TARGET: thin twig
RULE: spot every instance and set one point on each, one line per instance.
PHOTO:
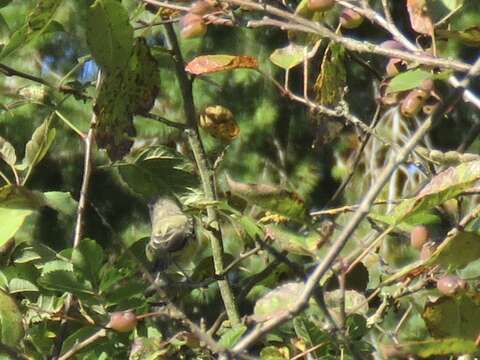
(79, 224)
(83, 344)
(206, 175)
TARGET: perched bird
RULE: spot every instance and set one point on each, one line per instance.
(171, 230)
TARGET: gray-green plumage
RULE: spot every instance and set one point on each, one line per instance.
(171, 229)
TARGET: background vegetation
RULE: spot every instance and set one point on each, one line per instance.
(239, 179)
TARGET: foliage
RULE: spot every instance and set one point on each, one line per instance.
(177, 176)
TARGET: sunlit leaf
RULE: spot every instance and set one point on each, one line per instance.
(288, 57)
(11, 327)
(38, 145)
(7, 152)
(354, 302)
(444, 186)
(112, 49)
(12, 220)
(17, 285)
(35, 24)
(61, 201)
(277, 302)
(457, 251)
(207, 64)
(457, 316)
(231, 336)
(408, 80)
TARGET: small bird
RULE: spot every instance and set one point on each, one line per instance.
(171, 230)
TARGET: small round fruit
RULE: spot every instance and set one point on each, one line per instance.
(350, 19)
(200, 7)
(426, 85)
(419, 236)
(320, 5)
(192, 26)
(123, 321)
(413, 102)
(450, 285)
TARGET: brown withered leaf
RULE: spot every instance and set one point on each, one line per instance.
(419, 18)
(207, 64)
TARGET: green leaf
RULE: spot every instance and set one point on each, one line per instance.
(109, 34)
(37, 21)
(123, 93)
(275, 353)
(354, 301)
(444, 186)
(61, 201)
(64, 280)
(38, 145)
(12, 220)
(294, 243)
(17, 285)
(19, 197)
(4, 3)
(408, 80)
(453, 316)
(273, 198)
(11, 327)
(288, 57)
(88, 258)
(433, 347)
(231, 336)
(7, 152)
(457, 251)
(277, 302)
(157, 171)
(310, 333)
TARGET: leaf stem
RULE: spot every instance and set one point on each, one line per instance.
(206, 175)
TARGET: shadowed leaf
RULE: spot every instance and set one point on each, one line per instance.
(273, 198)
(453, 316)
(11, 327)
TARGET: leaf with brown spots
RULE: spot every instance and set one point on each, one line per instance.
(419, 18)
(207, 64)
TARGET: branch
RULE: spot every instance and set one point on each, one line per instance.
(364, 208)
(82, 345)
(206, 175)
(302, 24)
(8, 71)
(79, 224)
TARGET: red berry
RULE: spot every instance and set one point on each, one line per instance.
(350, 19)
(413, 102)
(192, 25)
(419, 236)
(320, 5)
(450, 285)
(200, 7)
(123, 321)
